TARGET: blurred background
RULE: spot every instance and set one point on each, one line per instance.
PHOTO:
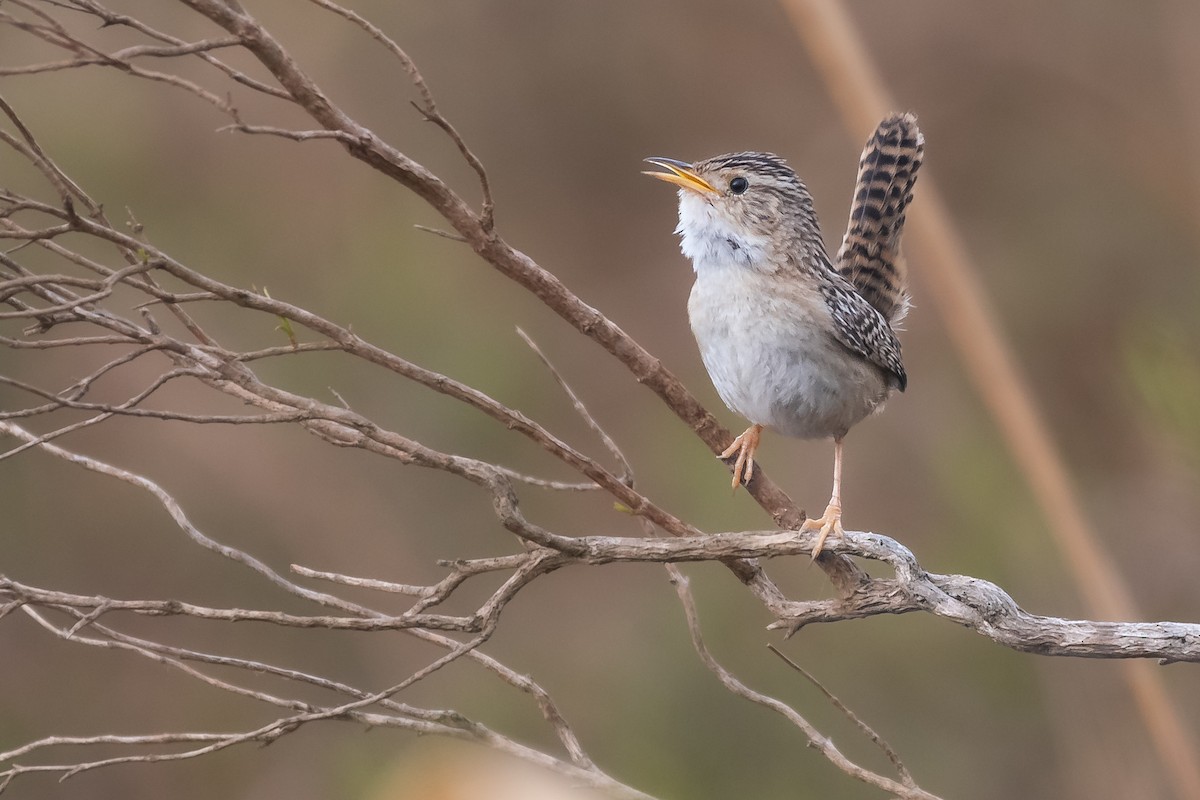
(1064, 138)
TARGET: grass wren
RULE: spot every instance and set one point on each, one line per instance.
(792, 341)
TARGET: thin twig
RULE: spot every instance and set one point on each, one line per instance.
(905, 776)
(816, 739)
(581, 409)
(454, 237)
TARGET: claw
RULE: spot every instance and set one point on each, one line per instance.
(829, 522)
(744, 445)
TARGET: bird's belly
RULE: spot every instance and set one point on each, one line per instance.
(773, 359)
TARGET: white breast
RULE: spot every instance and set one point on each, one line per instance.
(766, 341)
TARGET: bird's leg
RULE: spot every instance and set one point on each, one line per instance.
(744, 445)
(831, 520)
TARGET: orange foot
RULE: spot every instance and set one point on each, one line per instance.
(744, 445)
(830, 522)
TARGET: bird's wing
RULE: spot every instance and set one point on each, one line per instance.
(860, 327)
(870, 257)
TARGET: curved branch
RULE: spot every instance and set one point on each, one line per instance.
(974, 603)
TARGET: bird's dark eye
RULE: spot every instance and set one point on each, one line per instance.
(739, 185)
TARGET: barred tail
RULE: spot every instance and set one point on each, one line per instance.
(870, 255)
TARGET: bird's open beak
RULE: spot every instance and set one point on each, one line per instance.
(681, 174)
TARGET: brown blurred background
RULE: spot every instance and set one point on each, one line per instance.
(1064, 137)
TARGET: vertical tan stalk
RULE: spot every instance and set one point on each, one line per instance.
(862, 100)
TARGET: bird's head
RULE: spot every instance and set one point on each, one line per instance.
(741, 209)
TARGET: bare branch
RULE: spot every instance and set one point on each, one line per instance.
(816, 739)
(905, 776)
(284, 133)
(90, 290)
(427, 106)
(177, 514)
(581, 409)
(110, 18)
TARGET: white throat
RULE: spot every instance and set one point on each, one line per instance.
(712, 242)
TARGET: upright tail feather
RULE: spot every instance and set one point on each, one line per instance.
(870, 255)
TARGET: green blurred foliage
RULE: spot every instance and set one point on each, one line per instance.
(1163, 365)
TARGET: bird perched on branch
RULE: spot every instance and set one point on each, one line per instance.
(792, 341)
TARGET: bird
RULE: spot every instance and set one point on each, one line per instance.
(796, 342)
